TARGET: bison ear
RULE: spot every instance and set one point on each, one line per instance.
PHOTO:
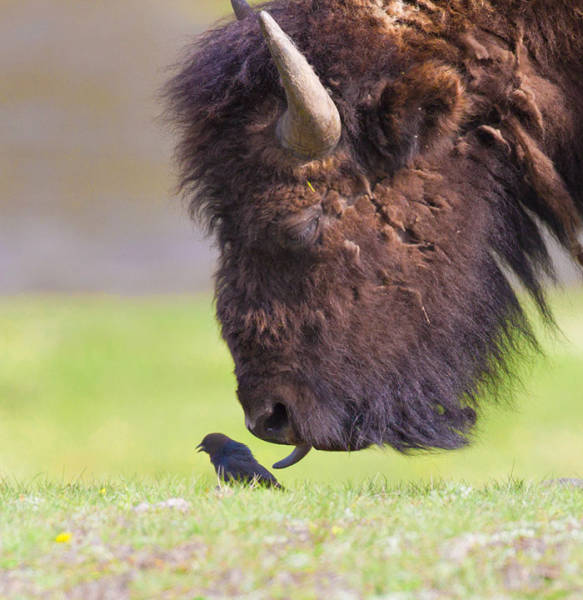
(419, 108)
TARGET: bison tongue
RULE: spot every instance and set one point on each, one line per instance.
(295, 457)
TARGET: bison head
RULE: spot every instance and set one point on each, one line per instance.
(369, 184)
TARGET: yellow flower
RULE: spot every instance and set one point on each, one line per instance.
(102, 491)
(337, 530)
(63, 538)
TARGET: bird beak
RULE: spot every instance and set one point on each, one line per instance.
(200, 448)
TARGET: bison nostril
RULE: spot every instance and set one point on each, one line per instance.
(274, 426)
(278, 420)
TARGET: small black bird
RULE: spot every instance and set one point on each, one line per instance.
(233, 461)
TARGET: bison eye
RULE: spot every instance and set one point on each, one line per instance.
(301, 231)
(304, 236)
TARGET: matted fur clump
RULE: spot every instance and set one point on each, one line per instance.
(362, 294)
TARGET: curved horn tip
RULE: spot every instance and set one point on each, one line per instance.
(311, 127)
(241, 9)
(268, 23)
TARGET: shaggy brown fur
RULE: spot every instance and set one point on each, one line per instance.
(362, 296)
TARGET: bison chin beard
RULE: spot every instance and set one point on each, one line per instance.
(289, 413)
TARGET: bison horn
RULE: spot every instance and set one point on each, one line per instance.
(311, 126)
(241, 9)
(295, 457)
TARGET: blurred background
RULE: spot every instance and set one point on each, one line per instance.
(86, 179)
(111, 358)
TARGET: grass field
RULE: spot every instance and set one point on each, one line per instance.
(100, 387)
(102, 401)
(127, 540)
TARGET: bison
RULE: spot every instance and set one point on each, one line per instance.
(376, 174)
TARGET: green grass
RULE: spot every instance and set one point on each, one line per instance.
(343, 542)
(102, 401)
